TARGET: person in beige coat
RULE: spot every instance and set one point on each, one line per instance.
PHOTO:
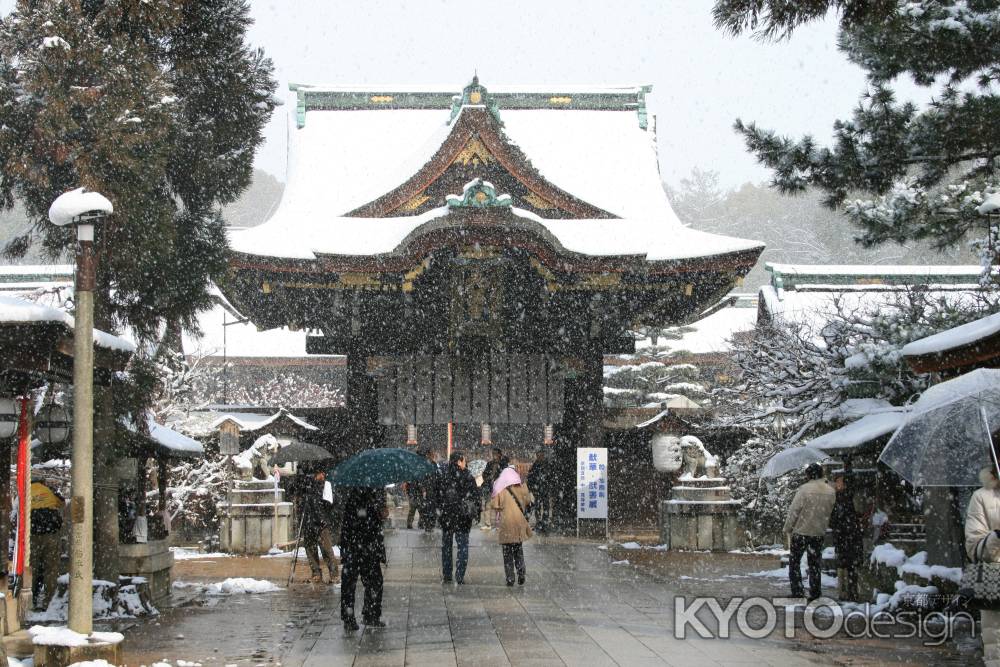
(806, 524)
(511, 501)
(982, 520)
(982, 543)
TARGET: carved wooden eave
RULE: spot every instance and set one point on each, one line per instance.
(499, 226)
(476, 134)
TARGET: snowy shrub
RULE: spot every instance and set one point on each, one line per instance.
(764, 502)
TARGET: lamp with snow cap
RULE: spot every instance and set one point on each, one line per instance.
(83, 209)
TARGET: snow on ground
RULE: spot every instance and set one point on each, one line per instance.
(232, 586)
(59, 635)
(620, 562)
(184, 553)
(239, 585)
(890, 556)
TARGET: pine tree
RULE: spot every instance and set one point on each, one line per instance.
(920, 173)
(159, 106)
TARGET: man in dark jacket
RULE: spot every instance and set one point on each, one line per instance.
(458, 502)
(539, 482)
(363, 551)
(490, 474)
(429, 486)
(46, 524)
(847, 538)
(318, 527)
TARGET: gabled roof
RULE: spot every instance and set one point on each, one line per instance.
(583, 163)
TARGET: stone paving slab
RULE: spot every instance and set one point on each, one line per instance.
(575, 609)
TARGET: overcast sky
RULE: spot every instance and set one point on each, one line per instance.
(702, 80)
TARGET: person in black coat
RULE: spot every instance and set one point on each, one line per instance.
(847, 539)
(363, 551)
(458, 502)
(490, 474)
(539, 481)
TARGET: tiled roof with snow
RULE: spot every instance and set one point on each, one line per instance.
(14, 310)
(959, 336)
(343, 158)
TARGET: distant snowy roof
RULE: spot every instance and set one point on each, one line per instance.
(344, 157)
(965, 334)
(221, 332)
(14, 310)
(254, 422)
(172, 443)
(711, 334)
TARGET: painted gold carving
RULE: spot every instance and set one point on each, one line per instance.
(537, 201)
(474, 153)
(560, 99)
(475, 97)
(415, 202)
(381, 99)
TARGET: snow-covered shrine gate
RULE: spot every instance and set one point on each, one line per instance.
(424, 236)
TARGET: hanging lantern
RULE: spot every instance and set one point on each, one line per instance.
(548, 434)
(485, 435)
(411, 434)
(52, 424)
(8, 418)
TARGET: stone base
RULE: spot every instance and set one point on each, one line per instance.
(63, 656)
(151, 561)
(248, 524)
(700, 526)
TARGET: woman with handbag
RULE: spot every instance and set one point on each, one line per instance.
(510, 498)
(982, 543)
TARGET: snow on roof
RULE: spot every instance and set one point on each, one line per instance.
(64, 271)
(853, 408)
(971, 270)
(220, 332)
(815, 308)
(172, 442)
(254, 421)
(342, 159)
(450, 88)
(711, 334)
(15, 311)
(859, 432)
(959, 336)
(70, 205)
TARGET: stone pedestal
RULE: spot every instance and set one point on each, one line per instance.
(700, 515)
(63, 656)
(248, 524)
(151, 561)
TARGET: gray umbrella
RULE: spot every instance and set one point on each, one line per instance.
(946, 438)
(298, 452)
(793, 458)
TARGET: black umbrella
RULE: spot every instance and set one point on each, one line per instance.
(298, 452)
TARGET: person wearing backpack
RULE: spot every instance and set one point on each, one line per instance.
(457, 500)
(510, 498)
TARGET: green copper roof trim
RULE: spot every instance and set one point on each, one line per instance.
(317, 99)
(478, 193)
(475, 95)
(874, 278)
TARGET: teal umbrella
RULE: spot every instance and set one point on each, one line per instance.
(381, 467)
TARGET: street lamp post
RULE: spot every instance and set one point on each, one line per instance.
(82, 209)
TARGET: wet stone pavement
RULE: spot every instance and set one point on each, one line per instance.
(575, 609)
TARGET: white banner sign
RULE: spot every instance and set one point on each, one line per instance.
(591, 483)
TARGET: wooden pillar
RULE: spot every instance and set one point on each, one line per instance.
(362, 400)
(106, 536)
(162, 477)
(581, 427)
